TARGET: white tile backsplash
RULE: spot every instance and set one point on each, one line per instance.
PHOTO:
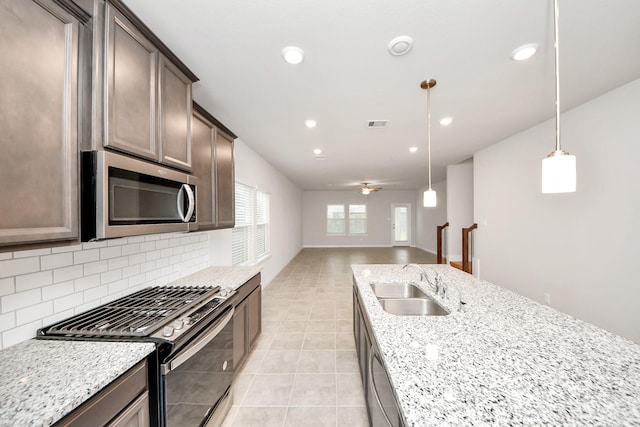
(49, 262)
(89, 255)
(42, 286)
(67, 273)
(20, 300)
(34, 312)
(15, 267)
(33, 280)
(7, 286)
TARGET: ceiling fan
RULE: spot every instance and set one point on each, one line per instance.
(365, 189)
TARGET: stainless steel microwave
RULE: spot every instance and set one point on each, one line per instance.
(124, 196)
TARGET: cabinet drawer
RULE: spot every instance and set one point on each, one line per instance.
(111, 401)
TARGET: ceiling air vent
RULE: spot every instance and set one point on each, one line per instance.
(377, 124)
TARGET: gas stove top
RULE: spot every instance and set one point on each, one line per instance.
(140, 314)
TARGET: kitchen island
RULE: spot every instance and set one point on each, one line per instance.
(503, 360)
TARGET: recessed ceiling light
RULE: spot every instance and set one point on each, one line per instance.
(400, 45)
(292, 54)
(413, 149)
(317, 151)
(446, 121)
(310, 123)
(524, 52)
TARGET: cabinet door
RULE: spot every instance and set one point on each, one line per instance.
(39, 121)
(239, 335)
(254, 316)
(136, 414)
(202, 138)
(130, 102)
(174, 104)
(225, 181)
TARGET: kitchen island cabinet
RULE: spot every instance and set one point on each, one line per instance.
(504, 360)
(42, 52)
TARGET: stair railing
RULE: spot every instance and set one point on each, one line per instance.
(440, 240)
(466, 264)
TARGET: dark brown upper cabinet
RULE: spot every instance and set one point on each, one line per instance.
(39, 116)
(213, 164)
(225, 180)
(147, 101)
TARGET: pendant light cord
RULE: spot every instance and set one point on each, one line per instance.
(557, 48)
(429, 131)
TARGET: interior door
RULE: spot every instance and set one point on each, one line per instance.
(401, 224)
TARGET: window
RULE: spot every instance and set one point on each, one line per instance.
(357, 219)
(250, 236)
(335, 219)
(338, 218)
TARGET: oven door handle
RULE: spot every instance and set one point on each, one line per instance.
(195, 347)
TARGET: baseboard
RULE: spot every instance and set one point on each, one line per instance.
(345, 246)
(427, 250)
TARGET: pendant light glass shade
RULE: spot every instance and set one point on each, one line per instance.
(559, 173)
(429, 199)
(559, 167)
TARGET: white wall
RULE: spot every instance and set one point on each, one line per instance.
(42, 286)
(285, 213)
(378, 217)
(428, 219)
(581, 247)
(459, 206)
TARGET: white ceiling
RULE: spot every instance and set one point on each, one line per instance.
(348, 77)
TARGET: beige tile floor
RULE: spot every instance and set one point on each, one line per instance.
(303, 370)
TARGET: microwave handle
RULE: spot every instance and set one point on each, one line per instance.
(192, 205)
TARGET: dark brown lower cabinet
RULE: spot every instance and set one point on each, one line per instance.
(247, 320)
(125, 402)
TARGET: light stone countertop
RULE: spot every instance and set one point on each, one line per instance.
(41, 381)
(505, 360)
(225, 277)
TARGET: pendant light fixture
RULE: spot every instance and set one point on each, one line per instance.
(429, 198)
(559, 167)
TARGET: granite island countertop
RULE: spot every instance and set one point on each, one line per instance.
(41, 381)
(504, 360)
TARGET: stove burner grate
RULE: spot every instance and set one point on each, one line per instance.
(138, 314)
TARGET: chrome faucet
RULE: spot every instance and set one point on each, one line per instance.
(441, 288)
(423, 275)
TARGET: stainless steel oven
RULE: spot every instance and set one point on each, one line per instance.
(123, 196)
(197, 379)
(192, 370)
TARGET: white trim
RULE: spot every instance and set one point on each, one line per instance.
(347, 246)
(427, 250)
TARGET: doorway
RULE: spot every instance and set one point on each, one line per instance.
(401, 224)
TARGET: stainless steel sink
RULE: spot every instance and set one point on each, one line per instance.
(397, 290)
(412, 307)
(406, 299)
